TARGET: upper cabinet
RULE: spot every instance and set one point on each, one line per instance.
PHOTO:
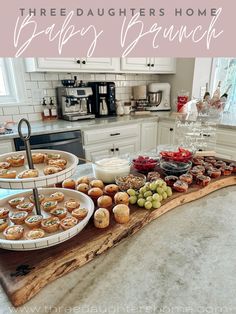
(102, 65)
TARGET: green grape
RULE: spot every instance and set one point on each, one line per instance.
(133, 200)
(141, 202)
(159, 182)
(131, 192)
(164, 188)
(149, 198)
(147, 185)
(148, 193)
(148, 205)
(140, 195)
(169, 191)
(156, 204)
(153, 186)
(156, 197)
(164, 184)
(161, 197)
(142, 190)
(160, 190)
(164, 195)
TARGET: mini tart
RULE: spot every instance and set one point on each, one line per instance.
(68, 222)
(219, 164)
(121, 213)
(30, 173)
(197, 161)
(16, 160)
(208, 166)
(59, 212)
(34, 234)
(13, 232)
(50, 224)
(41, 198)
(8, 174)
(111, 189)
(68, 184)
(5, 165)
(180, 186)
(26, 206)
(203, 180)
(18, 217)
(101, 218)
(195, 172)
(52, 156)
(57, 162)
(233, 165)
(200, 168)
(186, 177)
(57, 196)
(33, 221)
(48, 205)
(71, 204)
(214, 173)
(79, 213)
(210, 159)
(226, 171)
(38, 158)
(170, 180)
(3, 224)
(16, 201)
(51, 170)
(4, 212)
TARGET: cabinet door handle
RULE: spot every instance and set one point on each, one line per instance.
(114, 134)
(84, 62)
(148, 64)
(78, 61)
(117, 149)
(206, 135)
(112, 150)
(171, 129)
(152, 65)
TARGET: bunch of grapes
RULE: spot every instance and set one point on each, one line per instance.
(150, 195)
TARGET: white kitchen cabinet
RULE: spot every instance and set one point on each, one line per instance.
(96, 152)
(148, 136)
(6, 146)
(128, 146)
(148, 65)
(72, 64)
(165, 133)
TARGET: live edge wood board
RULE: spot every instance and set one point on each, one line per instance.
(24, 274)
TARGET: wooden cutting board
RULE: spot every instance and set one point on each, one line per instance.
(24, 274)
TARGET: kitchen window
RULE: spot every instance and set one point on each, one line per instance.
(12, 89)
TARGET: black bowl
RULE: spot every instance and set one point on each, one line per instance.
(68, 83)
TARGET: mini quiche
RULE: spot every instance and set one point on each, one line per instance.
(16, 201)
(38, 158)
(7, 174)
(51, 170)
(4, 212)
(13, 232)
(16, 160)
(26, 206)
(3, 224)
(34, 234)
(59, 212)
(50, 224)
(68, 223)
(41, 198)
(57, 196)
(18, 217)
(48, 205)
(57, 162)
(79, 213)
(71, 204)
(5, 165)
(52, 156)
(33, 221)
(30, 173)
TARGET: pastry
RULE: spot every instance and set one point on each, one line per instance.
(16, 160)
(68, 184)
(170, 180)
(82, 180)
(95, 193)
(13, 232)
(105, 201)
(101, 218)
(57, 196)
(8, 174)
(233, 165)
(52, 156)
(203, 180)
(30, 173)
(121, 213)
(83, 187)
(4, 212)
(57, 162)
(226, 171)
(186, 177)
(97, 184)
(34, 234)
(38, 158)
(214, 172)
(121, 198)
(5, 165)
(153, 176)
(26, 206)
(111, 189)
(207, 166)
(41, 198)
(59, 212)
(33, 221)
(79, 213)
(16, 201)
(197, 161)
(50, 224)
(71, 204)
(201, 168)
(48, 205)
(195, 172)
(210, 159)
(219, 164)
(3, 224)
(51, 170)
(68, 223)
(18, 217)
(180, 186)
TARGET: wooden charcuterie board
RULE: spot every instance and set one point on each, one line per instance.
(24, 274)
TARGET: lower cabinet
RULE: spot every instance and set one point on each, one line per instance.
(165, 133)
(148, 136)
(6, 147)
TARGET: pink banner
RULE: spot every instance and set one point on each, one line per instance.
(105, 28)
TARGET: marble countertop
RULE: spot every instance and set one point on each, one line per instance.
(183, 262)
(39, 127)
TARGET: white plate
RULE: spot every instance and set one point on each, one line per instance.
(49, 239)
(42, 180)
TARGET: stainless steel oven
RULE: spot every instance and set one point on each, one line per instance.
(66, 141)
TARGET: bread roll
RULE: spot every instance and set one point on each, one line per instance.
(121, 213)
(101, 218)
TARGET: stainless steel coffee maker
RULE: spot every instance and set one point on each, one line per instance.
(74, 103)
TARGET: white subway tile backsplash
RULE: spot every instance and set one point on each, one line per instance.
(87, 77)
(100, 77)
(27, 76)
(18, 117)
(5, 118)
(110, 77)
(1, 112)
(51, 77)
(10, 110)
(37, 108)
(44, 85)
(51, 92)
(26, 109)
(65, 76)
(37, 76)
(56, 84)
(34, 116)
(31, 85)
